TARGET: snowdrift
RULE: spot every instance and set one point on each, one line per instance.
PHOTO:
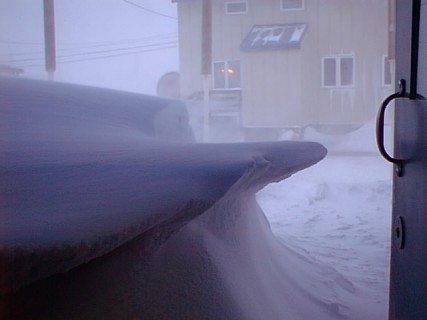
(109, 210)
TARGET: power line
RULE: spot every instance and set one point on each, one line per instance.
(96, 43)
(134, 40)
(21, 42)
(149, 10)
(18, 56)
(174, 43)
(104, 56)
(118, 49)
(119, 54)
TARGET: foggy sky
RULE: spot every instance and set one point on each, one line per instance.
(106, 43)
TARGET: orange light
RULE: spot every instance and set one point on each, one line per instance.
(230, 71)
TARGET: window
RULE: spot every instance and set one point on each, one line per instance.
(387, 73)
(338, 71)
(288, 5)
(329, 72)
(226, 74)
(239, 7)
(346, 71)
(274, 36)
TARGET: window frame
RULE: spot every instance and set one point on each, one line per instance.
(282, 8)
(227, 12)
(338, 75)
(226, 77)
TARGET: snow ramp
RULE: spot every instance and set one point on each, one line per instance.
(110, 210)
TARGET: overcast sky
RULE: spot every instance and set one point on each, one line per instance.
(122, 44)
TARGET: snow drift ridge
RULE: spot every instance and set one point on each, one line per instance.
(104, 218)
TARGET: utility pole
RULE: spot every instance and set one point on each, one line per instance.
(206, 66)
(49, 38)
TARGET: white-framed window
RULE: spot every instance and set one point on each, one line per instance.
(338, 71)
(291, 5)
(226, 74)
(236, 7)
(387, 76)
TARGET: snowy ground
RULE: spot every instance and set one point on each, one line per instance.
(337, 212)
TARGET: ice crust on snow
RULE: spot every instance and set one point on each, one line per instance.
(110, 210)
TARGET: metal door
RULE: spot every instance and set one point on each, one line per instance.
(408, 277)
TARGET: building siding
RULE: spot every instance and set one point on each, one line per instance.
(283, 88)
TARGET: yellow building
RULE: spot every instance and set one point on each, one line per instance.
(293, 63)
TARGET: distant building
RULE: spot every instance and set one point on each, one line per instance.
(293, 63)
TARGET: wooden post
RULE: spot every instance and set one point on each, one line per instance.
(49, 38)
(206, 67)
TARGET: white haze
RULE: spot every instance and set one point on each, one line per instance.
(108, 43)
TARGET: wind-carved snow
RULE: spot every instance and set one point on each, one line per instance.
(104, 216)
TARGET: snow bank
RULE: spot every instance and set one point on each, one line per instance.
(103, 217)
(338, 213)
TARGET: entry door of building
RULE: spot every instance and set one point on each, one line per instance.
(408, 279)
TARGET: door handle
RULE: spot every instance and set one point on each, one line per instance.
(402, 93)
(398, 163)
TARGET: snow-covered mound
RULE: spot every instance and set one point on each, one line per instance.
(104, 217)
